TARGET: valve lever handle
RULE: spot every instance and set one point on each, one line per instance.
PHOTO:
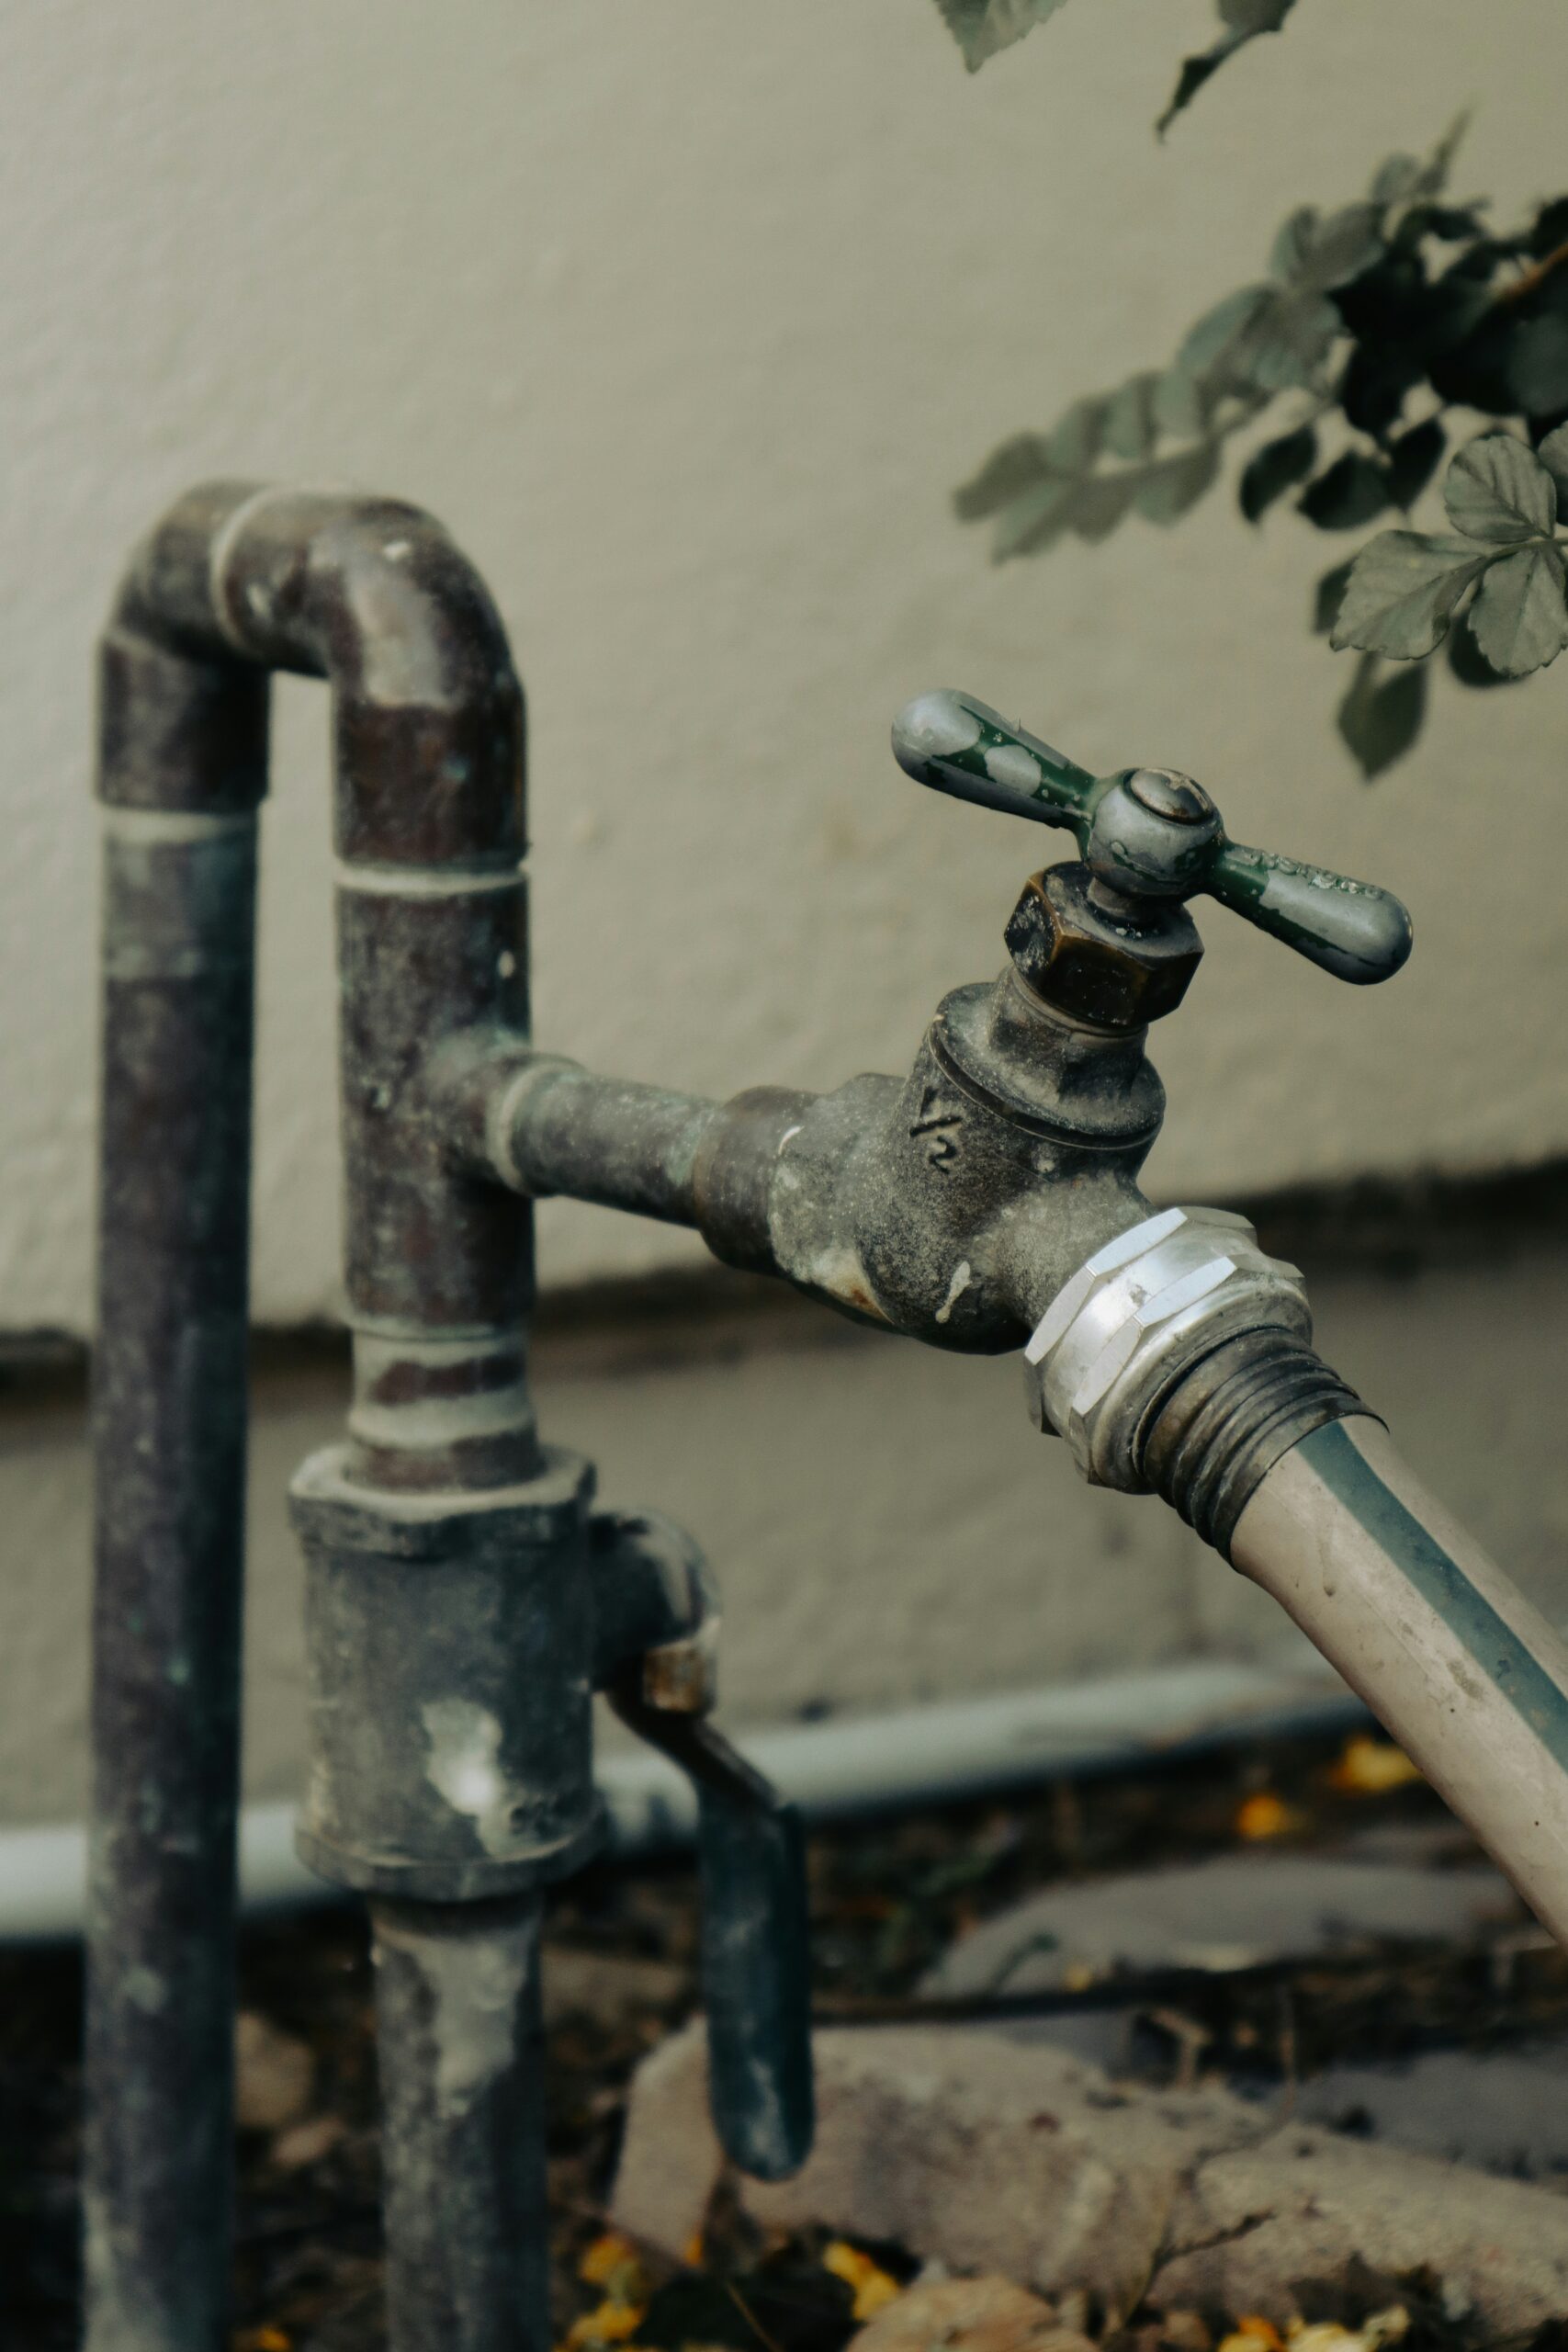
(1151, 833)
(657, 1622)
(756, 1971)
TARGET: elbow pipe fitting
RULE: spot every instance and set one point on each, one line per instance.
(427, 720)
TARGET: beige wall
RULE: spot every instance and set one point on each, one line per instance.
(685, 318)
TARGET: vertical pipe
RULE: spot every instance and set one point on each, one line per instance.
(460, 2047)
(182, 770)
(370, 595)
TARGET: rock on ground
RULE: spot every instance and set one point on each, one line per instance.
(1299, 2204)
(993, 2151)
(274, 2074)
(984, 2314)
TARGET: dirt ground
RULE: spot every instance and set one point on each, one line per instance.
(888, 1899)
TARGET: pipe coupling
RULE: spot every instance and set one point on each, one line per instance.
(1136, 1316)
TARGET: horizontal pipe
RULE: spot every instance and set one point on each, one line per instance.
(562, 1129)
(947, 1754)
(1470, 1678)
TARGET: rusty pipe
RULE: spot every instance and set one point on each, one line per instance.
(427, 716)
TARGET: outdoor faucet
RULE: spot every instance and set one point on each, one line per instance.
(991, 1201)
(464, 1599)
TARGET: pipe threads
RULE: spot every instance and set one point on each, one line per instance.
(1215, 1435)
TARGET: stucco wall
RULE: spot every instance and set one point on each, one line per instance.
(685, 319)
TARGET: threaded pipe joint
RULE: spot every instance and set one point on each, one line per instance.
(1176, 1360)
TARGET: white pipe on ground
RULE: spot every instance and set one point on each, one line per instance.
(941, 1754)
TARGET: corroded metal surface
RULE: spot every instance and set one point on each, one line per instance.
(459, 2047)
(428, 822)
(461, 1603)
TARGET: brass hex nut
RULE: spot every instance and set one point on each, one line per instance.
(1095, 965)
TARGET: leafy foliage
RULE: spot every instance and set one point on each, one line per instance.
(1380, 717)
(1242, 21)
(1405, 587)
(1400, 300)
(981, 28)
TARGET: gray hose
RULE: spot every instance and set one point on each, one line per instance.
(1469, 1677)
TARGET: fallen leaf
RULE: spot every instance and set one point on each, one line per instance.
(611, 2322)
(1329, 2336)
(1266, 1816)
(985, 2315)
(1366, 1767)
(607, 2254)
(1252, 2333)
(872, 2286)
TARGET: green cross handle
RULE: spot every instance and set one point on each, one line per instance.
(1151, 833)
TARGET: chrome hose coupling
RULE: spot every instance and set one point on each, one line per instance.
(1137, 1317)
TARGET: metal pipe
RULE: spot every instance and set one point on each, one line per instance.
(184, 755)
(1470, 1678)
(460, 2037)
(428, 721)
(948, 1753)
(560, 1128)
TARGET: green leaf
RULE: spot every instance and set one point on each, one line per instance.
(1032, 520)
(1413, 460)
(1209, 343)
(1244, 20)
(1521, 613)
(1166, 490)
(1073, 443)
(1260, 339)
(1327, 596)
(1017, 465)
(1395, 179)
(1439, 163)
(1099, 504)
(1381, 718)
(1317, 254)
(1549, 228)
(1497, 490)
(1348, 493)
(1538, 364)
(1181, 404)
(1553, 455)
(1276, 468)
(1467, 661)
(1292, 243)
(1402, 592)
(1289, 342)
(1130, 425)
(1341, 247)
(981, 28)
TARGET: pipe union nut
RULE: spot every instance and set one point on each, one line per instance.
(1132, 1320)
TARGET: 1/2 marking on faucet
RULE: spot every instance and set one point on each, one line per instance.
(941, 1122)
